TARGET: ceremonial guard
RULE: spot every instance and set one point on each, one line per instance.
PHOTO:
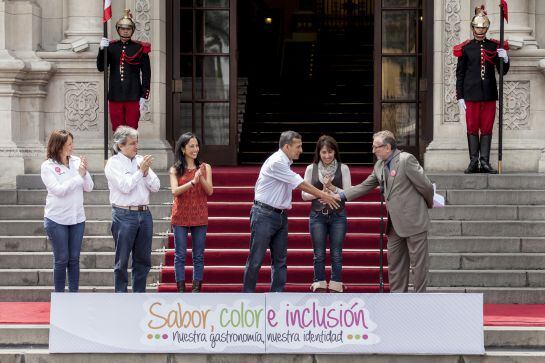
(130, 74)
(476, 89)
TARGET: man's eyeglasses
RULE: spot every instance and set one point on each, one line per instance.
(378, 146)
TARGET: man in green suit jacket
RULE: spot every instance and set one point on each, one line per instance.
(408, 194)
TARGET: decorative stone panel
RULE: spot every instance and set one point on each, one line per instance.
(142, 18)
(452, 37)
(516, 105)
(81, 106)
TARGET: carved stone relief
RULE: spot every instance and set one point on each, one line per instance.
(516, 105)
(142, 18)
(452, 37)
(81, 106)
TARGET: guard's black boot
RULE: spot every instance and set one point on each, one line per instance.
(180, 286)
(486, 143)
(473, 146)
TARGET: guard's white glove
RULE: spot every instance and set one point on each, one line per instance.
(104, 42)
(142, 104)
(502, 53)
(462, 104)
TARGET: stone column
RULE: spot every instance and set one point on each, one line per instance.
(448, 150)
(518, 31)
(23, 88)
(540, 23)
(83, 20)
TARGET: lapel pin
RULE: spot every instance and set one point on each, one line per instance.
(393, 173)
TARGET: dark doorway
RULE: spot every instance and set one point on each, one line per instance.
(310, 69)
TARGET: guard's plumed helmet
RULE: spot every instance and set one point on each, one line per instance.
(126, 21)
(480, 20)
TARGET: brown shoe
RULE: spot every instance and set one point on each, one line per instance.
(196, 287)
(180, 285)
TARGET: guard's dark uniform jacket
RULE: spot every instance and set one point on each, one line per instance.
(126, 60)
(475, 75)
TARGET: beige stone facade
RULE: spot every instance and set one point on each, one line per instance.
(48, 80)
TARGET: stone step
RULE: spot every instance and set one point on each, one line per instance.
(487, 278)
(487, 261)
(100, 197)
(443, 181)
(492, 355)
(92, 228)
(160, 211)
(44, 260)
(438, 244)
(465, 244)
(495, 197)
(28, 343)
(500, 295)
(486, 181)
(505, 228)
(34, 181)
(44, 277)
(92, 212)
(488, 212)
(438, 228)
(438, 261)
(438, 278)
(43, 293)
(90, 243)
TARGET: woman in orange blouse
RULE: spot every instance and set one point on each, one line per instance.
(191, 184)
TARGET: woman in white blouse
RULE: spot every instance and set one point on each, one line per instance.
(327, 173)
(66, 178)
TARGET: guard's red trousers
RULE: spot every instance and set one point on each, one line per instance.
(480, 117)
(124, 113)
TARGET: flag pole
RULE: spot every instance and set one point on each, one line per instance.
(105, 24)
(500, 93)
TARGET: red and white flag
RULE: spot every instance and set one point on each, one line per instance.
(504, 5)
(107, 10)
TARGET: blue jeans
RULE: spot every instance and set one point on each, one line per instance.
(322, 225)
(198, 238)
(269, 229)
(66, 241)
(133, 233)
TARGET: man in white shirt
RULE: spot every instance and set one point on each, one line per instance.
(130, 180)
(268, 219)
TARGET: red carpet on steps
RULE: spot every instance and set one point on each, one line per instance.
(494, 314)
(229, 235)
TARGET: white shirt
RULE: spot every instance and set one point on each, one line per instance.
(127, 184)
(65, 186)
(276, 181)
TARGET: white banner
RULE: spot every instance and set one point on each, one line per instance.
(267, 323)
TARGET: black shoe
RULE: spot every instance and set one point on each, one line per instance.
(486, 143)
(473, 147)
(196, 287)
(180, 285)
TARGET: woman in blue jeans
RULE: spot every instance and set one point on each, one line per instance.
(191, 185)
(65, 178)
(328, 173)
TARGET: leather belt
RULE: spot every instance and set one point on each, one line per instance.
(266, 206)
(139, 208)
